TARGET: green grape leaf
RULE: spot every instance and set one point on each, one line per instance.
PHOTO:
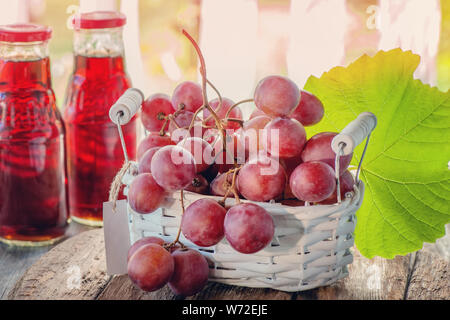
(405, 169)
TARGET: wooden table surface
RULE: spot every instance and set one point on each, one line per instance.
(76, 269)
(14, 261)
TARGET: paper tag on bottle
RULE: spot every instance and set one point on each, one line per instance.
(117, 236)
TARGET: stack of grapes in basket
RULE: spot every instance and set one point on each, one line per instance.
(206, 147)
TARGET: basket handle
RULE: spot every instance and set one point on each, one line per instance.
(345, 142)
(123, 111)
(354, 133)
(126, 106)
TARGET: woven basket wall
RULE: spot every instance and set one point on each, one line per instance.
(310, 247)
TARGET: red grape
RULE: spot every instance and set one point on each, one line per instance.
(144, 165)
(236, 113)
(142, 242)
(198, 185)
(293, 203)
(289, 164)
(151, 267)
(257, 113)
(211, 135)
(220, 184)
(318, 148)
(182, 120)
(309, 111)
(174, 247)
(346, 183)
(313, 181)
(153, 139)
(179, 134)
(153, 107)
(190, 274)
(285, 138)
(235, 150)
(201, 150)
(287, 193)
(189, 94)
(173, 168)
(276, 96)
(144, 194)
(197, 130)
(261, 179)
(202, 222)
(251, 134)
(258, 122)
(211, 173)
(248, 227)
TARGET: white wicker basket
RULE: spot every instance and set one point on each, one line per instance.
(311, 243)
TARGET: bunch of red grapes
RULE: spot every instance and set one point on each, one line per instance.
(206, 147)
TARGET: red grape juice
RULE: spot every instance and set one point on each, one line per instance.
(33, 203)
(94, 151)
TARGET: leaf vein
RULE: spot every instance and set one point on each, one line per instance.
(384, 218)
(404, 182)
(407, 132)
(409, 212)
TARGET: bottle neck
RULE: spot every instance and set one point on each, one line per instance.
(98, 43)
(24, 65)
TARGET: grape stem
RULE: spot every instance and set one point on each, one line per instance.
(177, 239)
(231, 187)
(170, 117)
(239, 121)
(162, 132)
(219, 96)
(204, 83)
(195, 117)
(235, 105)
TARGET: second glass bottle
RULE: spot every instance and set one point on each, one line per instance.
(94, 152)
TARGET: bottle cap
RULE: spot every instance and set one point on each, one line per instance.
(24, 32)
(99, 20)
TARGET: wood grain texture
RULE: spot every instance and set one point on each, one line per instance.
(369, 279)
(75, 269)
(430, 278)
(121, 288)
(217, 291)
(420, 276)
(14, 261)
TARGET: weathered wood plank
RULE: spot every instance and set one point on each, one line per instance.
(75, 269)
(217, 291)
(51, 277)
(430, 278)
(375, 278)
(14, 261)
(121, 288)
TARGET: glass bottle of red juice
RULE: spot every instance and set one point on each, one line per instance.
(94, 152)
(33, 202)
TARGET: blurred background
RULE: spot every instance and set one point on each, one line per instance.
(245, 40)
